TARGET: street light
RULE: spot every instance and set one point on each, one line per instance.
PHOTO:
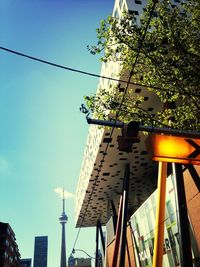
(74, 250)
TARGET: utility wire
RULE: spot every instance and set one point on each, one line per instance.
(75, 70)
(112, 130)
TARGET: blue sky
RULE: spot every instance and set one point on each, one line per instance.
(42, 133)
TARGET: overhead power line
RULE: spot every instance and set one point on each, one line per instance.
(75, 70)
(112, 130)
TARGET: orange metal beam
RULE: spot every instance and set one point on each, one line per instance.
(160, 215)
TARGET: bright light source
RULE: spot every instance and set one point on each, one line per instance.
(177, 149)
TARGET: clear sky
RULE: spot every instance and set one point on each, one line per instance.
(42, 132)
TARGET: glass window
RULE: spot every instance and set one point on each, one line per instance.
(133, 12)
(171, 212)
(138, 2)
(143, 224)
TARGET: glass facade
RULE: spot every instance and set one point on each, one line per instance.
(142, 223)
(40, 251)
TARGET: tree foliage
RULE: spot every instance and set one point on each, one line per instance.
(168, 63)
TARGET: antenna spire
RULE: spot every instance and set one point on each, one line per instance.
(63, 219)
(63, 200)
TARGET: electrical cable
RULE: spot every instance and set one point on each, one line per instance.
(75, 70)
(83, 252)
(112, 130)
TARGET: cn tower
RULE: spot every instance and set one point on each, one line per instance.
(63, 219)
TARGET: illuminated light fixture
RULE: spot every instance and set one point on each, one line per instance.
(178, 149)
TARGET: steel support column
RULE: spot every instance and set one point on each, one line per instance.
(124, 216)
(160, 215)
(117, 236)
(194, 175)
(97, 245)
(120, 238)
(185, 243)
(114, 216)
(102, 238)
(136, 247)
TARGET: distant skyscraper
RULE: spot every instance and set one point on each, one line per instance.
(63, 219)
(25, 262)
(40, 251)
(79, 262)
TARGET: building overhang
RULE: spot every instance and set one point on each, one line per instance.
(102, 179)
(106, 179)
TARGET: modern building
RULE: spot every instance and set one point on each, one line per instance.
(25, 262)
(40, 251)
(63, 219)
(9, 252)
(143, 227)
(79, 262)
(111, 180)
(99, 138)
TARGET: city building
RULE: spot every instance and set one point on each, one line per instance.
(82, 262)
(9, 252)
(25, 262)
(143, 224)
(79, 262)
(114, 184)
(63, 219)
(40, 251)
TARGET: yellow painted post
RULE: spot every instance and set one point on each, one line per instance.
(160, 215)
